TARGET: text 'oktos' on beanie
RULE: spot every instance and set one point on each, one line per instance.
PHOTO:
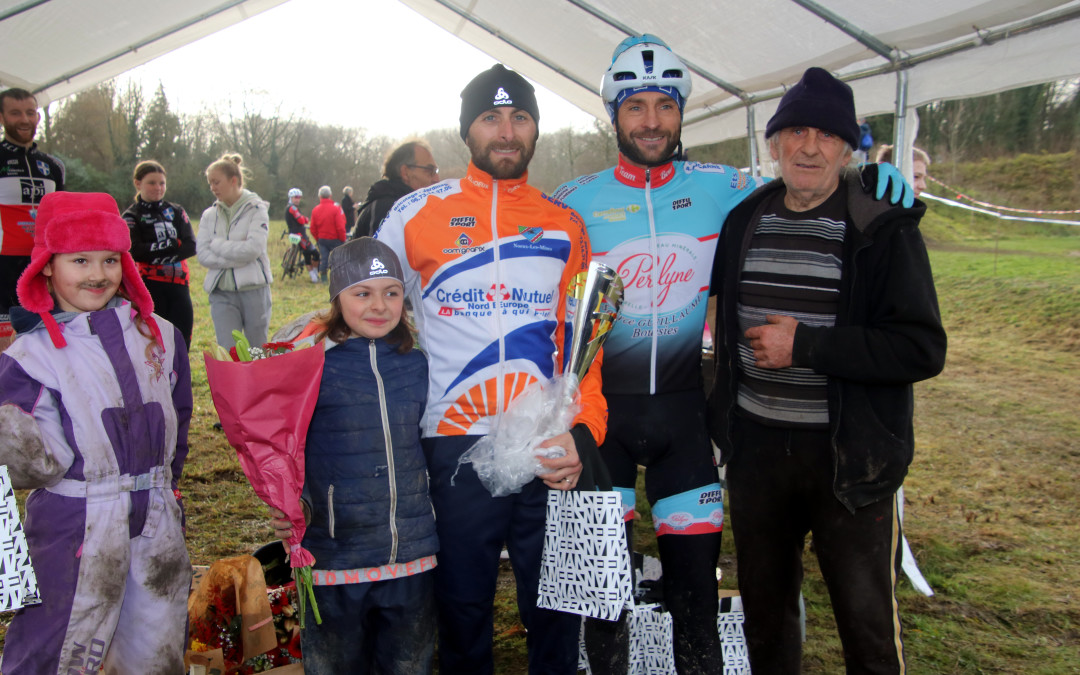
(74, 222)
(821, 101)
(496, 87)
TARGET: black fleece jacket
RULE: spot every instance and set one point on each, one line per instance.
(380, 197)
(888, 335)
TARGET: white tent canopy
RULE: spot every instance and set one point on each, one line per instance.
(56, 48)
(897, 54)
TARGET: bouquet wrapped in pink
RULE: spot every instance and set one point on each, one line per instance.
(265, 407)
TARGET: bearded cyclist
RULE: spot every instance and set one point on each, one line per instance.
(655, 220)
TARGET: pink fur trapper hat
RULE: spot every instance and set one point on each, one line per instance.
(73, 222)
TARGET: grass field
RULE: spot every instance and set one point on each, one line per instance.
(991, 503)
(991, 500)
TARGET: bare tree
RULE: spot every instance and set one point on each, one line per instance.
(263, 140)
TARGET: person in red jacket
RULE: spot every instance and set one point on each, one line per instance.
(327, 227)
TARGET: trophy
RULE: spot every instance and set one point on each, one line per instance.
(506, 459)
(593, 297)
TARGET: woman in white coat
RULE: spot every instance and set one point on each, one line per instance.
(231, 244)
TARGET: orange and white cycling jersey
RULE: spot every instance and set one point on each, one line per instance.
(487, 263)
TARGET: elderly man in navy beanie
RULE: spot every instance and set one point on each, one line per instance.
(827, 316)
(487, 259)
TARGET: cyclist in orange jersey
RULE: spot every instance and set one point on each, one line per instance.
(487, 261)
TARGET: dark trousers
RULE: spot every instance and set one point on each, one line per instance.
(384, 627)
(473, 526)
(780, 484)
(172, 302)
(325, 246)
(666, 434)
(309, 251)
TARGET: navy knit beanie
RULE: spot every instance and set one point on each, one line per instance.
(821, 101)
(495, 87)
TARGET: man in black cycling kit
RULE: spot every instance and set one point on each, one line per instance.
(296, 222)
(655, 220)
(26, 175)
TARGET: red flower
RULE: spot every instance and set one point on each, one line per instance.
(278, 347)
(294, 645)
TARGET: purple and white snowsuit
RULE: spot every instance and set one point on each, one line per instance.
(99, 429)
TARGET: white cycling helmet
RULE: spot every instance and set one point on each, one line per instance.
(295, 192)
(644, 63)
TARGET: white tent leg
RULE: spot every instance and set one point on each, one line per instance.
(751, 138)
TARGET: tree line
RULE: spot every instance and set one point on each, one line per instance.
(1041, 118)
(102, 132)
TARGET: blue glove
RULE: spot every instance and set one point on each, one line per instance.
(901, 192)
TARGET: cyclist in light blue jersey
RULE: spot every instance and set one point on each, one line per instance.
(655, 219)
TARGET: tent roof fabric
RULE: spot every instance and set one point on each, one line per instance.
(740, 53)
(743, 53)
(56, 48)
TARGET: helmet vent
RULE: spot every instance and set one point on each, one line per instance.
(672, 73)
(647, 57)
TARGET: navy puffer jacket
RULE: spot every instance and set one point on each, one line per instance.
(370, 504)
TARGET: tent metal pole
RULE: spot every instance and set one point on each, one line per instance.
(630, 30)
(854, 32)
(900, 158)
(751, 132)
(908, 60)
(19, 9)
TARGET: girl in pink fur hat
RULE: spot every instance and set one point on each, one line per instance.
(95, 400)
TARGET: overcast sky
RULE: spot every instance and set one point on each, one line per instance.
(361, 63)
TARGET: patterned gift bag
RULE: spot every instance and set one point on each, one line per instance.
(651, 639)
(586, 566)
(730, 625)
(18, 585)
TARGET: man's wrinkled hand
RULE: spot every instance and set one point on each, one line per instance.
(773, 342)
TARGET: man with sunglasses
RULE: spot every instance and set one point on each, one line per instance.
(408, 167)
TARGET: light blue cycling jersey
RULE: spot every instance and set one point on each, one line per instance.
(658, 229)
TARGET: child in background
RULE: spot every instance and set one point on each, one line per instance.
(95, 400)
(372, 527)
(161, 241)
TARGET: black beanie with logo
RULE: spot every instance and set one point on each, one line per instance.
(496, 87)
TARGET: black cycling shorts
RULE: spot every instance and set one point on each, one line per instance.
(665, 433)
